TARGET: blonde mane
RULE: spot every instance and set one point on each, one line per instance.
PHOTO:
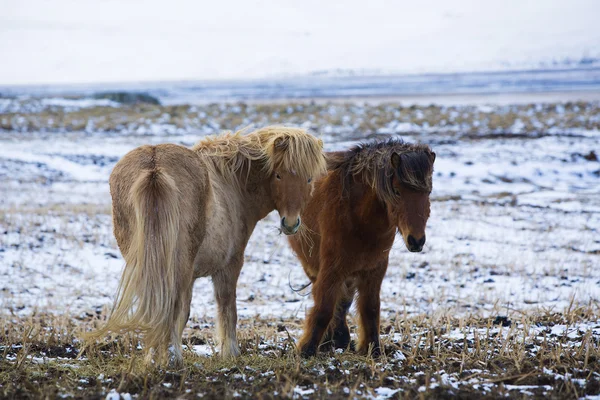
(274, 147)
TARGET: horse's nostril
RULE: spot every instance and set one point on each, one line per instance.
(414, 243)
(297, 224)
(290, 230)
(411, 241)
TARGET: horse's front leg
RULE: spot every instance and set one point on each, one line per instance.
(369, 287)
(225, 282)
(325, 293)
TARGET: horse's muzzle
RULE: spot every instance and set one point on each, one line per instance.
(414, 245)
(290, 230)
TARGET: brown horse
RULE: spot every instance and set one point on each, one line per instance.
(181, 213)
(370, 192)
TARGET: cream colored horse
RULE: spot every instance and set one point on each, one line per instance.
(180, 214)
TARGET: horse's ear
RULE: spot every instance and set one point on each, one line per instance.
(396, 161)
(280, 143)
(432, 156)
(320, 143)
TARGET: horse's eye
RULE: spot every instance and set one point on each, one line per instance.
(396, 192)
(277, 176)
(309, 180)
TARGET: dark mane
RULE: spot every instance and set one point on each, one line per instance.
(371, 162)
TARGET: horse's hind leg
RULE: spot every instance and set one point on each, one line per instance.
(225, 282)
(338, 334)
(180, 322)
(369, 287)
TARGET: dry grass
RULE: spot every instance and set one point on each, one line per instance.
(359, 121)
(425, 358)
(532, 352)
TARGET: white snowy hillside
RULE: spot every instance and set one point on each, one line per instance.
(80, 41)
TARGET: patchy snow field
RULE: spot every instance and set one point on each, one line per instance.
(513, 230)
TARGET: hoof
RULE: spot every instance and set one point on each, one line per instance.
(232, 351)
(351, 346)
(339, 339)
(175, 357)
(175, 363)
(342, 342)
(374, 352)
(308, 351)
(333, 346)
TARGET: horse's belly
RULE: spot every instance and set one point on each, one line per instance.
(212, 256)
(218, 247)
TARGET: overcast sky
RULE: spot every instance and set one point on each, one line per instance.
(79, 41)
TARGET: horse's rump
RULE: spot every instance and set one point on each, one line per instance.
(159, 193)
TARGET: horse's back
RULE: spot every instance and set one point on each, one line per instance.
(186, 170)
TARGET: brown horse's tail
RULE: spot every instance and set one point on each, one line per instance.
(148, 297)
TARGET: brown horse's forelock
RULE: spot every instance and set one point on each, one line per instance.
(372, 162)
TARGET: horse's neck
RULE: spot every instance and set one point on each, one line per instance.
(257, 201)
(370, 211)
(252, 200)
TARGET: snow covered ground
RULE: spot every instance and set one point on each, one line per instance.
(508, 278)
(514, 225)
(69, 41)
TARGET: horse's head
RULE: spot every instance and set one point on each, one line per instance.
(298, 162)
(411, 183)
(291, 193)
